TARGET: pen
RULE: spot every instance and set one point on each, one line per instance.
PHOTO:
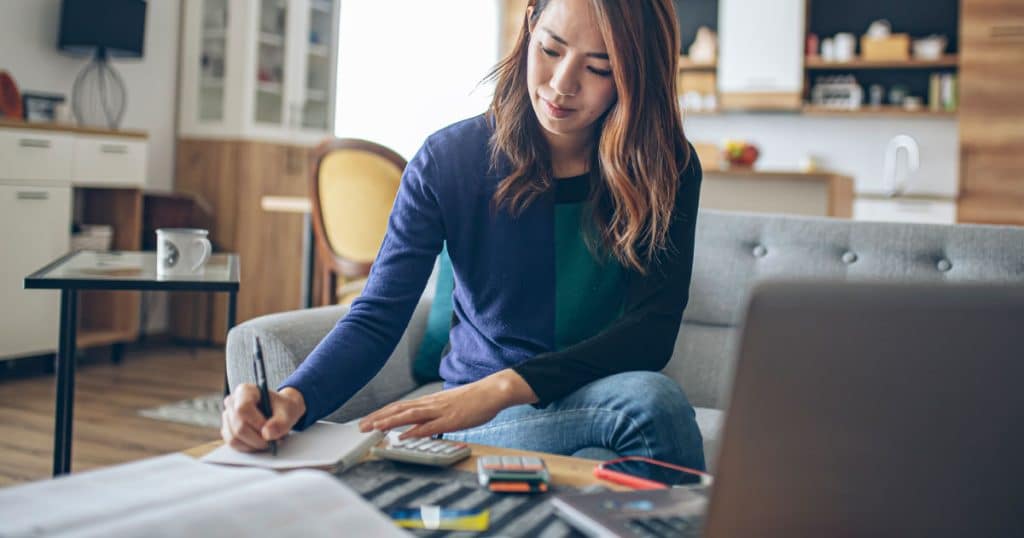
(261, 380)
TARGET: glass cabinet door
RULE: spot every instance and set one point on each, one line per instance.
(317, 108)
(212, 58)
(270, 61)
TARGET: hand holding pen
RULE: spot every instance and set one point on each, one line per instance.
(254, 417)
(261, 382)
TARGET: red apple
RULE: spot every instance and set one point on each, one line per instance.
(749, 155)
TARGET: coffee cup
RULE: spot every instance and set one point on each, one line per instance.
(182, 251)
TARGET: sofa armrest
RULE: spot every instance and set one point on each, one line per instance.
(287, 338)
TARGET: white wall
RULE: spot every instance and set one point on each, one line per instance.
(400, 78)
(853, 146)
(28, 50)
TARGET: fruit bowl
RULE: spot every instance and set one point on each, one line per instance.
(739, 153)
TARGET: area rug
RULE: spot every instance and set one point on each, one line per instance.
(200, 411)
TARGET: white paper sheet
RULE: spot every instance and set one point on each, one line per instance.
(300, 503)
(324, 444)
(52, 506)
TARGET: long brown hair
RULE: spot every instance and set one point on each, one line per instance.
(641, 150)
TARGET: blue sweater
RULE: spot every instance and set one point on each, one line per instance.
(505, 285)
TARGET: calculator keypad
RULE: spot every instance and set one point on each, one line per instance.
(425, 451)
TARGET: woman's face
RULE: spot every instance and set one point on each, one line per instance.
(568, 73)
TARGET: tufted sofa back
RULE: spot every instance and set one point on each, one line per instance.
(734, 251)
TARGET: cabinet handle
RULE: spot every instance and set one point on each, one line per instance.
(33, 195)
(119, 149)
(1007, 31)
(34, 143)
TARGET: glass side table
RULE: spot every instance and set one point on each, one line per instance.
(90, 270)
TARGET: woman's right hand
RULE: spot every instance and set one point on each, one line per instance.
(244, 428)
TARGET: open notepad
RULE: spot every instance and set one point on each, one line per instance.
(176, 495)
(322, 445)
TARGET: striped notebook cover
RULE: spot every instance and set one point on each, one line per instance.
(389, 485)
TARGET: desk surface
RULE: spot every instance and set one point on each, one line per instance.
(87, 269)
(286, 204)
(565, 470)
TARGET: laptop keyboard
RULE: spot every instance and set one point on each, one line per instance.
(665, 527)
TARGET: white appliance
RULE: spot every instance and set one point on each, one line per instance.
(904, 197)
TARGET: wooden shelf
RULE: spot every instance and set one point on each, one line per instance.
(891, 111)
(701, 112)
(685, 64)
(69, 128)
(816, 63)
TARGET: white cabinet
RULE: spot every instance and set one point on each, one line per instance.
(101, 161)
(40, 168)
(760, 63)
(905, 210)
(35, 224)
(35, 155)
(259, 69)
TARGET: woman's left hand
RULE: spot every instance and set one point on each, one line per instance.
(455, 409)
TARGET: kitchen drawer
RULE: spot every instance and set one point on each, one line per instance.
(103, 160)
(28, 155)
(905, 210)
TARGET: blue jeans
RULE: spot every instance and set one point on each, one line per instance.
(629, 414)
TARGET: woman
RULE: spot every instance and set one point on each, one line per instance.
(569, 212)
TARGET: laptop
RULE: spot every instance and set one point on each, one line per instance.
(858, 409)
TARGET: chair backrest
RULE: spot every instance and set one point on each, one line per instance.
(354, 184)
(736, 250)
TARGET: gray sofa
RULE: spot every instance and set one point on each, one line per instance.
(733, 252)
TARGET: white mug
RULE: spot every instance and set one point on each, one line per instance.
(182, 251)
(845, 46)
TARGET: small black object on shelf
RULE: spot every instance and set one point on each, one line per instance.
(105, 29)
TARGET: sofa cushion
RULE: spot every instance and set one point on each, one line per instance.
(710, 422)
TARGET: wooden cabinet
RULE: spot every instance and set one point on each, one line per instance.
(231, 177)
(992, 112)
(258, 69)
(257, 89)
(51, 176)
(795, 193)
(761, 55)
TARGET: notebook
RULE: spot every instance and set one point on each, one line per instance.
(176, 495)
(322, 445)
(672, 512)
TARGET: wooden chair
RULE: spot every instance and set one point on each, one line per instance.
(353, 186)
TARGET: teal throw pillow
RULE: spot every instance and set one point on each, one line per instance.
(428, 359)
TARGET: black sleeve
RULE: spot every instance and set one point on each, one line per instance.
(644, 336)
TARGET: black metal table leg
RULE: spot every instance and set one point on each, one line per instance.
(117, 351)
(64, 408)
(232, 301)
(308, 260)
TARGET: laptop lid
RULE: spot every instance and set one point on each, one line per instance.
(875, 410)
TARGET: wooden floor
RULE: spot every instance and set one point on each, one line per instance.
(107, 429)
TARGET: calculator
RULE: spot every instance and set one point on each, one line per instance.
(513, 474)
(424, 451)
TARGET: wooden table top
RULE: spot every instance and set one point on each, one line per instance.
(565, 470)
(286, 204)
